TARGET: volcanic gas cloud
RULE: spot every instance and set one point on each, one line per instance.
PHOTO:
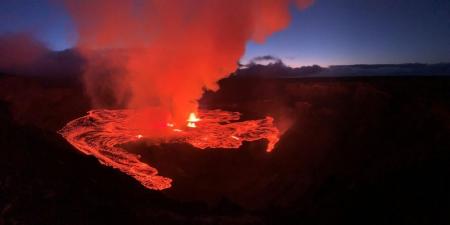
(155, 58)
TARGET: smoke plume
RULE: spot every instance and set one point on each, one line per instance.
(19, 51)
(165, 53)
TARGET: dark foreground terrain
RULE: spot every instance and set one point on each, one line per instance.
(354, 151)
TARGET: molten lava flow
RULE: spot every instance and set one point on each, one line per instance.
(216, 129)
(102, 131)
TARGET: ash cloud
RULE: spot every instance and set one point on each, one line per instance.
(269, 66)
(18, 51)
(166, 53)
(22, 54)
(266, 59)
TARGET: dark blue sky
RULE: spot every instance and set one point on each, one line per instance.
(328, 33)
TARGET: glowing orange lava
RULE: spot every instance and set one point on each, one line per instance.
(102, 131)
(192, 120)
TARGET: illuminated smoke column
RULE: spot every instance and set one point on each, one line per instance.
(164, 53)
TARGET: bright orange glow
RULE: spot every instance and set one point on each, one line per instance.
(101, 132)
(192, 120)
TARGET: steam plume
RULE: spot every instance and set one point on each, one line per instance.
(166, 52)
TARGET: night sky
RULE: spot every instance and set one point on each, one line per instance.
(328, 33)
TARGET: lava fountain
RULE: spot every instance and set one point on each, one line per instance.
(192, 120)
(101, 133)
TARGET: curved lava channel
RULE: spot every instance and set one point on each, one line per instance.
(101, 132)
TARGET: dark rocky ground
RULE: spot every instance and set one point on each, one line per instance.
(355, 151)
